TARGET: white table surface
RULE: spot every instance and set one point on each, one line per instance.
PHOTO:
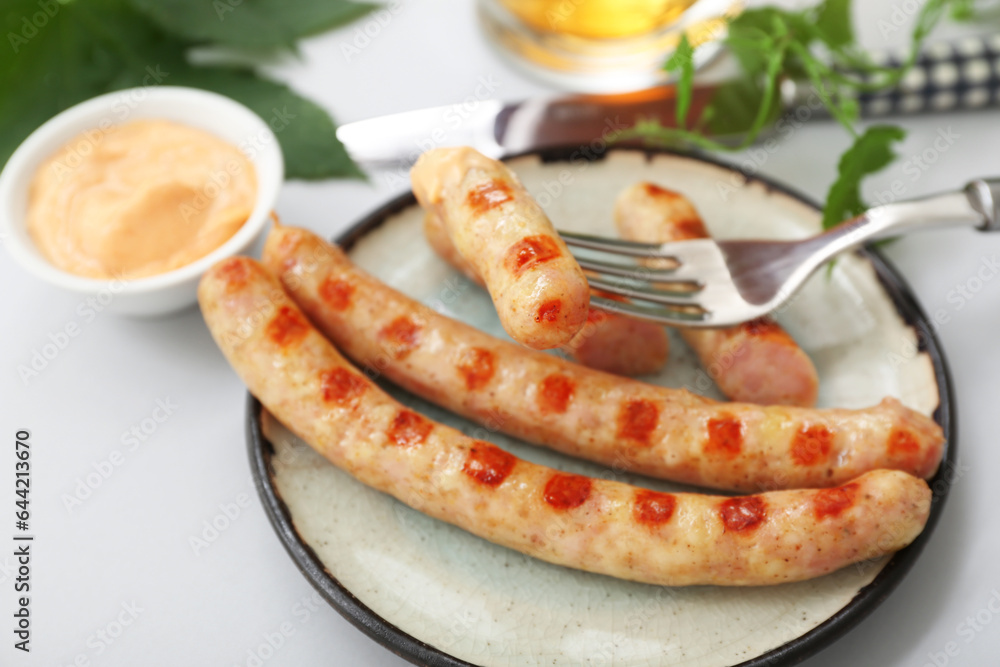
(129, 542)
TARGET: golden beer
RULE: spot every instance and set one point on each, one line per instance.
(598, 19)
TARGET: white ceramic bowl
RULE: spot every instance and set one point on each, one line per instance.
(166, 292)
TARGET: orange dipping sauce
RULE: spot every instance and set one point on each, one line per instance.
(139, 199)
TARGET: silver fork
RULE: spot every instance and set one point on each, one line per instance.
(723, 283)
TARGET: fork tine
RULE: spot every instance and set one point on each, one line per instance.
(614, 246)
(636, 271)
(676, 261)
(661, 315)
(679, 252)
(688, 298)
(690, 279)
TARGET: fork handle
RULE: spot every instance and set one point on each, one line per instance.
(977, 204)
(984, 195)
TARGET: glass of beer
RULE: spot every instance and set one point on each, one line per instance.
(599, 46)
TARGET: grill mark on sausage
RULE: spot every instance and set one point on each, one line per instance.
(654, 190)
(687, 229)
(725, 436)
(234, 272)
(637, 419)
(477, 367)
(743, 514)
(409, 429)
(287, 327)
(548, 312)
(565, 492)
(811, 445)
(402, 335)
(832, 502)
(336, 293)
(764, 328)
(529, 252)
(488, 195)
(902, 442)
(340, 385)
(554, 394)
(653, 508)
(488, 464)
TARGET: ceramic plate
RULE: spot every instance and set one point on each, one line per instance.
(440, 596)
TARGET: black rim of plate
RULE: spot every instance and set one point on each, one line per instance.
(793, 652)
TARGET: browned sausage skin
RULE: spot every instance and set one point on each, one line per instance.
(608, 341)
(539, 290)
(757, 362)
(595, 525)
(622, 423)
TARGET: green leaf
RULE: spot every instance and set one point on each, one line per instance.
(83, 49)
(755, 33)
(734, 107)
(871, 152)
(682, 59)
(833, 20)
(252, 24)
(967, 11)
(844, 109)
(750, 41)
(929, 16)
(86, 48)
(770, 104)
(963, 10)
(307, 134)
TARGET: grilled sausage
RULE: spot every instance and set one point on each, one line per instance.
(756, 362)
(595, 525)
(608, 341)
(539, 290)
(625, 424)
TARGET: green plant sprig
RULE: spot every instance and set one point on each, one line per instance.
(815, 46)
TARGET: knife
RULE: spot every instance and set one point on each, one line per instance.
(947, 76)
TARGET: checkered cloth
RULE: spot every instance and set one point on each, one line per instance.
(947, 76)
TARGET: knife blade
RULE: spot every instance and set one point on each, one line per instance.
(497, 129)
(947, 76)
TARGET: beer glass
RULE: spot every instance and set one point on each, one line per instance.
(602, 45)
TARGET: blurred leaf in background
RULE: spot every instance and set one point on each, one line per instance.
(60, 53)
(269, 24)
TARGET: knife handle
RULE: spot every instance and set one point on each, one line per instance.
(947, 76)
